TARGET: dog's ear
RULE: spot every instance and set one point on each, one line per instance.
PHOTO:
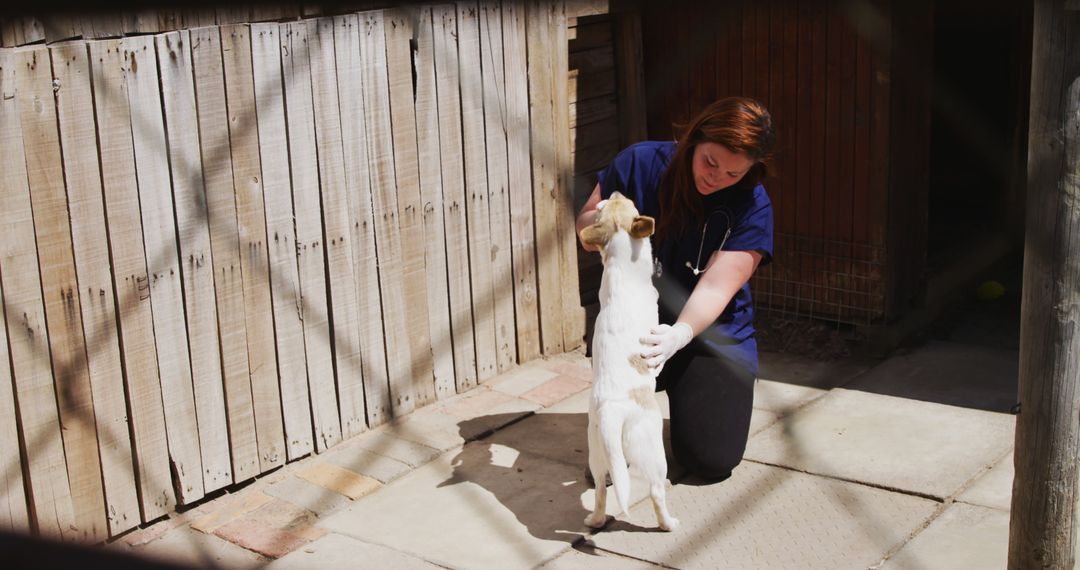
(642, 227)
(597, 234)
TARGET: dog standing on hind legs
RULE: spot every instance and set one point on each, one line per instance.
(625, 423)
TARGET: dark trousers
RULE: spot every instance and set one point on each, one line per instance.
(711, 401)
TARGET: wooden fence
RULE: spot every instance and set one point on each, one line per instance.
(227, 247)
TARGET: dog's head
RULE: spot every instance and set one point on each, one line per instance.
(614, 214)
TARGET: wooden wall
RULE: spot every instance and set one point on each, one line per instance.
(845, 83)
(230, 246)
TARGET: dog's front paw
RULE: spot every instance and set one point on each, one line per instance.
(671, 524)
(595, 521)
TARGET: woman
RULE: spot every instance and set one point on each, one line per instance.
(714, 229)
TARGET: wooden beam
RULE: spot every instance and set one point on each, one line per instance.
(37, 416)
(78, 136)
(1043, 521)
(225, 249)
(281, 239)
(163, 266)
(196, 265)
(311, 265)
(59, 288)
(255, 260)
(453, 178)
(431, 192)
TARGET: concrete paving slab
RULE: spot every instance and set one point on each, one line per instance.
(761, 420)
(799, 370)
(335, 551)
(360, 460)
(522, 379)
(994, 488)
(307, 495)
(769, 517)
(397, 441)
(184, 545)
(594, 559)
(964, 536)
(948, 373)
(487, 506)
(892, 442)
(782, 398)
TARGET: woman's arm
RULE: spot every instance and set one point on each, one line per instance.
(725, 274)
(587, 216)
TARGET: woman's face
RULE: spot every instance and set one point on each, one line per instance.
(716, 167)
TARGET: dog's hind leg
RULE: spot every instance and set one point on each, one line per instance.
(647, 444)
(598, 466)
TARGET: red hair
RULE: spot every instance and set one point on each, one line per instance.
(740, 124)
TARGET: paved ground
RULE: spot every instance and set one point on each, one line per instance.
(898, 463)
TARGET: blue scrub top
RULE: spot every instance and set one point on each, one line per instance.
(743, 209)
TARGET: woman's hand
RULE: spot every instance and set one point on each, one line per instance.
(664, 341)
(587, 217)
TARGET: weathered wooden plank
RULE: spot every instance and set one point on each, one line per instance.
(418, 385)
(60, 291)
(14, 516)
(522, 231)
(583, 8)
(431, 192)
(349, 227)
(476, 188)
(303, 162)
(103, 25)
(631, 78)
(198, 17)
(596, 32)
(156, 495)
(216, 156)
(545, 174)
(49, 500)
(254, 259)
(494, 95)
(196, 263)
(78, 137)
(453, 179)
(163, 265)
(281, 240)
(573, 315)
(388, 216)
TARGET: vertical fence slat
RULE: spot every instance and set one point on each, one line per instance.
(59, 289)
(285, 285)
(336, 74)
(494, 96)
(520, 180)
(371, 386)
(225, 249)
(196, 262)
(13, 514)
(163, 266)
(309, 237)
(431, 195)
(38, 418)
(129, 275)
(417, 387)
(254, 256)
(476, 188)
(387, 215)
(75, 110)
(572, 315)
(545, 172)
(453, 180)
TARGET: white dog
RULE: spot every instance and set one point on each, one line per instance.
(625, 424)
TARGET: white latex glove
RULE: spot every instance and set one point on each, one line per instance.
(664, 342)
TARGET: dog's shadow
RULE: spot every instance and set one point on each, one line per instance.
(536, 470)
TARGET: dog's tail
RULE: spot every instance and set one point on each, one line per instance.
(612, 436)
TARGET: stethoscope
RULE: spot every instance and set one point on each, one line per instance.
(696, 267)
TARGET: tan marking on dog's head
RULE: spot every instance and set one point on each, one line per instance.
(645, 397)
(614, 214)
(637, 362)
